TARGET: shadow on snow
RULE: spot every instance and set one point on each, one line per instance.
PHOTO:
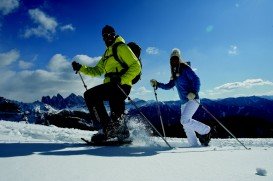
(65, 149)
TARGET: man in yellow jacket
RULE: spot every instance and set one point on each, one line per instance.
(116, 77)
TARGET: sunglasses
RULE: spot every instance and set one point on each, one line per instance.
(107, 35)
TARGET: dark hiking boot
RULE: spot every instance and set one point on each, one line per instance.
(205, 139)
(123, 133)
(117, 128)
(99, 137)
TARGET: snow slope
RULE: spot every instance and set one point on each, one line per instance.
(34, 152)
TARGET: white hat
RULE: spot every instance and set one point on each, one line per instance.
(176, 52)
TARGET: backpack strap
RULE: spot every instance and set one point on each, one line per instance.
(115, 54)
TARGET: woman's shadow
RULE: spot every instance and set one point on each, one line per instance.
(66, 149)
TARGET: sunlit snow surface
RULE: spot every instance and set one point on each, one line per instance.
(36, 152)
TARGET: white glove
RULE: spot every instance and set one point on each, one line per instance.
(153, 83)
(191, 96)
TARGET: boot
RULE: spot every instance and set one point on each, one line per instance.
(117, 128)
(123, 133)
(99, 137)
(205, 139)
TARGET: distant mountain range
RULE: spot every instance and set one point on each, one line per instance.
(58, 102)
(244, 116)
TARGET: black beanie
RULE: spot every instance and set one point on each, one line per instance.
(108, 29)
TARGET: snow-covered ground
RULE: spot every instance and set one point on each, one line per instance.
(34, 152)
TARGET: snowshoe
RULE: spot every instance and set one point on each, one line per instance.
(205, 139)
(111, 142)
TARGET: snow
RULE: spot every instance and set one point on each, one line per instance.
(45, 153)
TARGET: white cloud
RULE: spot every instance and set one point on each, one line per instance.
(25, 65)
(245, 84)
(7, 6)
(233, 50)
(142, 91)
(248, 87)
(152, 50)
(58, 63)
(29, 86)
(42, 19)
(5, 75)
(46, 25)
(9, 57)
(86, 60)
(68, 27)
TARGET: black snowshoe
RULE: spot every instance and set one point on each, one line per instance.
(111, 142)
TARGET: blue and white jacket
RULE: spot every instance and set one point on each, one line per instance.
(186, 82)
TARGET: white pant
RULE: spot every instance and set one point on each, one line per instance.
(191, 125)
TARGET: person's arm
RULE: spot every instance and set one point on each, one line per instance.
(96, 71)
(167, 86)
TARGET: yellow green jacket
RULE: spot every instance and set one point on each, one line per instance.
(108, 64)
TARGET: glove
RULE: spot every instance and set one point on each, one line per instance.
(76, 66)
(115, 79)
(191, 96)
(153, 83)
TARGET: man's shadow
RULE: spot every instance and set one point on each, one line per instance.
(25, 149)
(65, 149)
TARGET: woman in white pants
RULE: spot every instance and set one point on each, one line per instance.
(188, 86)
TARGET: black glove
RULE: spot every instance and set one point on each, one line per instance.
(76, 66)
(154, 83)
(115, 79)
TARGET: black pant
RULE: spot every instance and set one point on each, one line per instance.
(95, 97)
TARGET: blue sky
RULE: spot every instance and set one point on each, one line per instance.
(229, 44)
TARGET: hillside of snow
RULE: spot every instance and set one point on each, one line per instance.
(45, 153)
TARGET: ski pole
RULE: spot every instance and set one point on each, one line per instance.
(159, 113)
(221, 124)
(82, 80)
(146, 119)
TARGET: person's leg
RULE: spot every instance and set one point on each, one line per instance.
(185, 119)
(190, 125)
(117, 100)
(117, 105)
(197, 126)
(94, 98)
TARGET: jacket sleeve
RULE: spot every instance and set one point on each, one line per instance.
(167, 86)
(96, 71)
(194, 80)
(127, 56)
